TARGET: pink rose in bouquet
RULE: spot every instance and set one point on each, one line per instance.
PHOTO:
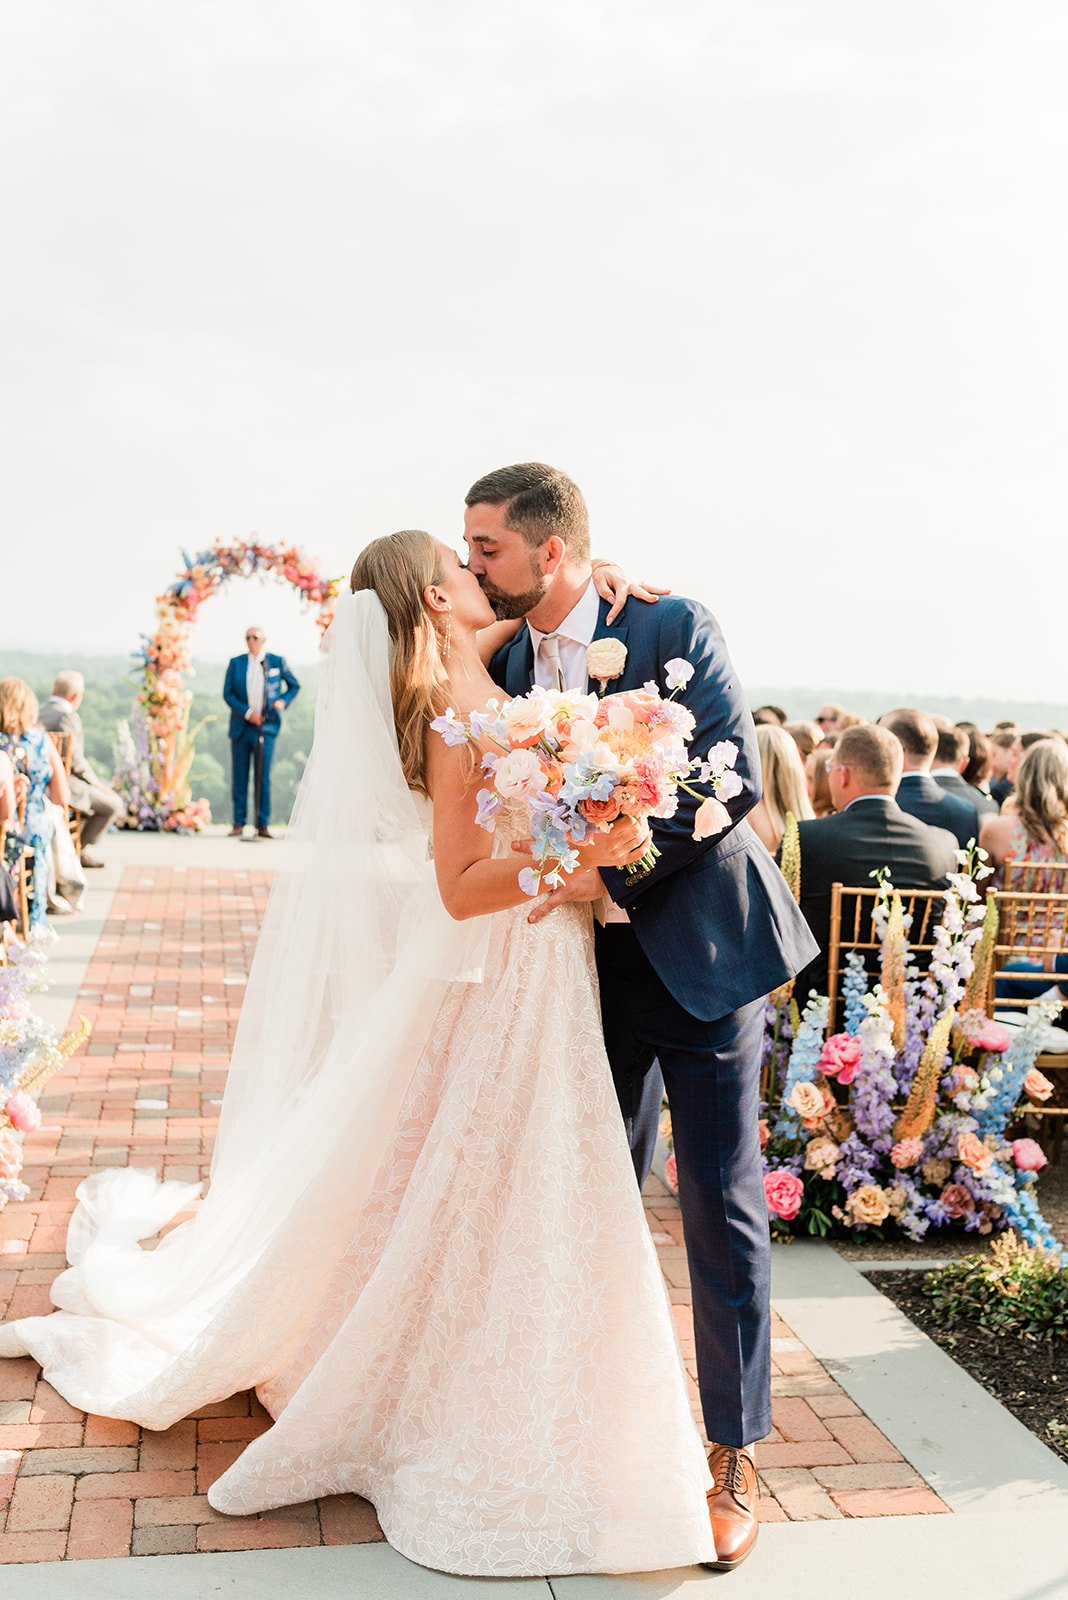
(671, 1173)
(23, 1113)
(1028, 1155)
(840, 1057)
(783, 1192)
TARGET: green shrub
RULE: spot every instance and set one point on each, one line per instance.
(1018, 1289)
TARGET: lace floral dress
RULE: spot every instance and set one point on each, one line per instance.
(493, 1363)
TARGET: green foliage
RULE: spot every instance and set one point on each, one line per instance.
(1017, 1289)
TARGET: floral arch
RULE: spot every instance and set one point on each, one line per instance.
(155, 752)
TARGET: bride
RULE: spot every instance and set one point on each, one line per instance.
(422, 1243)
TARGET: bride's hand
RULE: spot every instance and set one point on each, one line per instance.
(624, 842)
(612, 583)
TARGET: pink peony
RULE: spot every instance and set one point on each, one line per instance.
(973, 1152)
(671, 1173)
(993, 1037)
(1037, 1086)
(10, 1155)
(906, 1152)
(23, 1113)
(957, 1201)
(783, 1192)
(840, 1057)
(1028, 1155)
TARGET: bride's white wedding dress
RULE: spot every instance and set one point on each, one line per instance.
(470, 1329)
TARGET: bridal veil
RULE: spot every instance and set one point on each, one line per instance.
(349, 972)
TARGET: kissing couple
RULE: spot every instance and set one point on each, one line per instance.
(422, 1243)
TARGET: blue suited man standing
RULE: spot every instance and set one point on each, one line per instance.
(686, 950)
(258, 688)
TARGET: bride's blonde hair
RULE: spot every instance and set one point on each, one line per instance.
(399, 567)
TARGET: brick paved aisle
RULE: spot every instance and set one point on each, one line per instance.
(163, 992)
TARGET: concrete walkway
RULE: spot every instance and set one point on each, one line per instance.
(883, 1459)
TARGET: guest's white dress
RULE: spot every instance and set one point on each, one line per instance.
(485, 1350)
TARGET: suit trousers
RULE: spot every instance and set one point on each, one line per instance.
(99, 807)
(712, 1075)
(243, 751)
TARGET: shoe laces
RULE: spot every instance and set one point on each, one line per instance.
(728, 1470)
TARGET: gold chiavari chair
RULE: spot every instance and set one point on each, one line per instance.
(24, 880)
(1034, 928)
(1036, 877)
(64, 743)
(852, 927)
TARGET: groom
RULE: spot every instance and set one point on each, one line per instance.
(686, 954)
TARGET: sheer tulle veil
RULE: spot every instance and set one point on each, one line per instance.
(348, 976)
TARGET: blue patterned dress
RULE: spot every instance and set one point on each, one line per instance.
(29, 754)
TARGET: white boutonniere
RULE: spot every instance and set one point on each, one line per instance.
(605, 660)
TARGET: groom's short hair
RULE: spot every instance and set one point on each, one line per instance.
(540, 501)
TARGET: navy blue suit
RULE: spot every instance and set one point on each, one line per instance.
(923, 798)
(249, 743)
(713, 929)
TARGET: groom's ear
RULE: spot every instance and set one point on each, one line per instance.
(553, 554)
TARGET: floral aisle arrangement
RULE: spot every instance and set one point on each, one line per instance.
(580, 761)
(154, 753)
(900, 1120)
(30, 1052)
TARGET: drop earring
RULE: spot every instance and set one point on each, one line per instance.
(447, 647)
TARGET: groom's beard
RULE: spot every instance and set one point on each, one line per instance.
(510, 607)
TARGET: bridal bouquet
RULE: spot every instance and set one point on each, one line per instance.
(579, 761)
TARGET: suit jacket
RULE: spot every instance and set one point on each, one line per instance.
(57, 717)
(922, 797)
(954, 784)
(848, 847)
(713, 916)
(281, 684)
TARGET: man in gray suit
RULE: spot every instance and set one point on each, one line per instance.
(97, 802)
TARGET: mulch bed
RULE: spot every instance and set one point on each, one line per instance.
(1029, 1378)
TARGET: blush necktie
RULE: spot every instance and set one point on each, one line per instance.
(550, 654)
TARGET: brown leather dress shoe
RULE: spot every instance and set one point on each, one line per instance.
(236, 833)
(732, 1505)
(264, 833)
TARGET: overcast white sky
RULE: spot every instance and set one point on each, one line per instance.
(781, 285)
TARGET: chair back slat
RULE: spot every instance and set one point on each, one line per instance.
(852, 927)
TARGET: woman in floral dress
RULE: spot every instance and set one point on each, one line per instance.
(32, 753)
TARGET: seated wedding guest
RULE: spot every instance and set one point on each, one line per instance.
(870, 831)
(918, 794)
(9, 821)
(774, 715)
(808, 736)
(1035, 832)
(951, 757)
(1006, 753)
(819, 785)
(784, 786)
(976, 773)
(1028, 739)
(827, 718)
(96, 800)
(32, 753)
(849, 719)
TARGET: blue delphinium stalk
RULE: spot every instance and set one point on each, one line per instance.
(804, 1056)
(1002, 1082)
(854, 988)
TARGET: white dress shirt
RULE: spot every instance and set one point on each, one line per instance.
(255, 685)
(575, 634)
